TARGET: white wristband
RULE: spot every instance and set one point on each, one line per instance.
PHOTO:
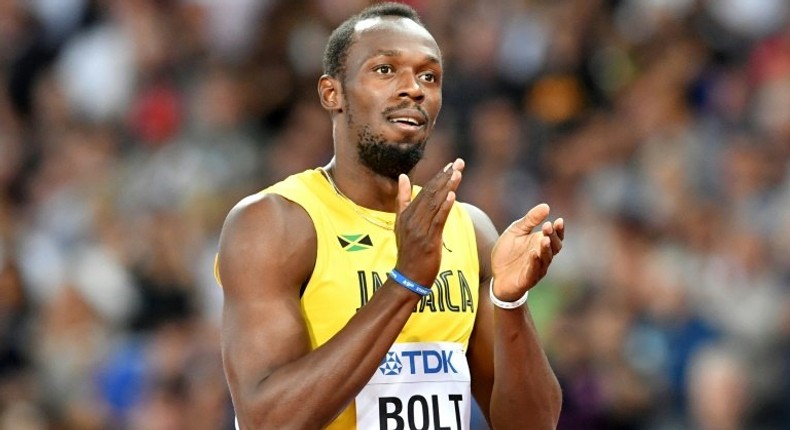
(502, 304)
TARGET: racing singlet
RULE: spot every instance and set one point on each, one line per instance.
(423, 382)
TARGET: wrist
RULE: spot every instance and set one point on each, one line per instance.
(408, 283)
(506, 302)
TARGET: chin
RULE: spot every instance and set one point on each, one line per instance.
(390, 160)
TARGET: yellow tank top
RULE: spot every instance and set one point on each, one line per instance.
(423, 382)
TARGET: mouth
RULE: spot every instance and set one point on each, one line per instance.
(408, 119)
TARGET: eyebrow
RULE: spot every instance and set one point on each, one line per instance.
(398, 53)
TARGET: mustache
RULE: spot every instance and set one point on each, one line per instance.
(405, 105)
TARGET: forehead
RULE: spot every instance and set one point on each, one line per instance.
(373, 36)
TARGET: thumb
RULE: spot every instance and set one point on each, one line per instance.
(533, 218)
(404, 192)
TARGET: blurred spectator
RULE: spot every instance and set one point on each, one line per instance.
(719, 390)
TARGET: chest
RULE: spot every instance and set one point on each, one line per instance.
(353, 264)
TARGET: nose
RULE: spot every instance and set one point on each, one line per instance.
(410, 87)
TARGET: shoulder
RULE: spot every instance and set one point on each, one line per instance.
(484, 227)
(267, 213)
(266, 232)
(268, 210)
(486, 236)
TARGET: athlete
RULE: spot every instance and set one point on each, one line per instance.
(354, 299)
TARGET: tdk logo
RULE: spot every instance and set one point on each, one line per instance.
(421, 361)
(391, 364)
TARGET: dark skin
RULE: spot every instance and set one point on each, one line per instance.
(268, 248)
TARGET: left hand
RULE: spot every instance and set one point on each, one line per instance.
(521, 258)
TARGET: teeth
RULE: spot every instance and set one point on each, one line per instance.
(406, 120)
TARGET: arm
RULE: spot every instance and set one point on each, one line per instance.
(267, 251)
(512, 380)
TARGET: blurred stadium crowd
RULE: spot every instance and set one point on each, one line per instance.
(659, 129)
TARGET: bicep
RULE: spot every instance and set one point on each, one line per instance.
(262, 264)
(481, 343)
(481, 353)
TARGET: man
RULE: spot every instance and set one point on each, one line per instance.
(354, 300)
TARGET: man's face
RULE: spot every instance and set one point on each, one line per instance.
(393, 93)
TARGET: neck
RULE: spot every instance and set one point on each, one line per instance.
(363, 186)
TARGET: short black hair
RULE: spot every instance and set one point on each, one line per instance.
(340, 39)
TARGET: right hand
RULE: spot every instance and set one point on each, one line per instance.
(420, 223)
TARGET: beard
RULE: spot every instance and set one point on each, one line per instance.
(385, 158)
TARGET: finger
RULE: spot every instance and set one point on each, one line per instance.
(544, 257)
(459, 164)
(439, 210)
(435, 183)
(542, 251)
(556, 242)
(455, 180)
(441, 178)
(546, 253)
(404, 192)
(442, 208)
(435, 193)
(549, 231)
(559, 227)
(532, 219)
(440, 219)
(539, 264)
(457, 173)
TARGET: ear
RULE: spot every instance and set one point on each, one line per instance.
(330, 93)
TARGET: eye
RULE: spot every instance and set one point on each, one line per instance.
(428, 77)
(383, 69)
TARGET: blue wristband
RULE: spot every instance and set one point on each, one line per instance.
(408, 283)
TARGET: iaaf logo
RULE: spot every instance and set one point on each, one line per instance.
(424, 361)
